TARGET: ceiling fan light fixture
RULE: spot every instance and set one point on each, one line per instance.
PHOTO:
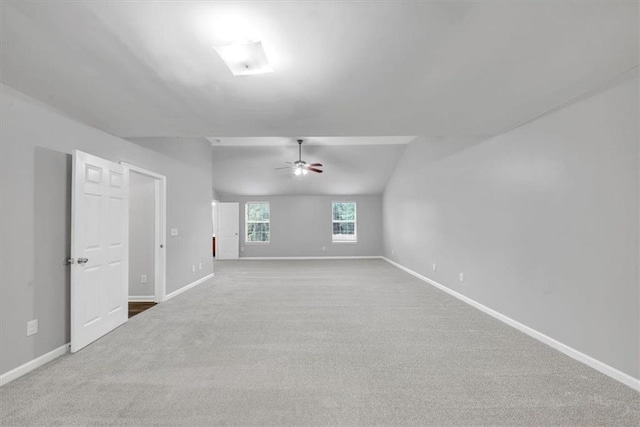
(300, 171)
(245, 59)
(300, 167)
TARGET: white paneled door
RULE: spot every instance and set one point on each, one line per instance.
(227, 237)
(99, 248)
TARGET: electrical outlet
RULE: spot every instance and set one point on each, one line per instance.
(462, 277)
(434, 267)
(174, 231)
(200, 266)
(193, 268)
(32, 327)
(143, 278)
(241, 248)
(393, 252)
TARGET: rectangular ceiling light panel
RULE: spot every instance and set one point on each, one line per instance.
(245, 59)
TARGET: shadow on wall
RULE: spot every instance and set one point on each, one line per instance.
(51, 247)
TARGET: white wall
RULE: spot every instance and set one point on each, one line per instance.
(542, 220)
(141, 235)
(301, 226)
(35, 181)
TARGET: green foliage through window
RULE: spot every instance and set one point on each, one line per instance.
(344, 222)
(257, 218)
(344, 211)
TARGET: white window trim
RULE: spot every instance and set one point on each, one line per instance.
(246, 223)
(355, 224)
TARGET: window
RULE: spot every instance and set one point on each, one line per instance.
(256, 222)
(344, 222)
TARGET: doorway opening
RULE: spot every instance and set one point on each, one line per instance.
(147, 236)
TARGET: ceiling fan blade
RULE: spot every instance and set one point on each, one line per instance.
(300, 165)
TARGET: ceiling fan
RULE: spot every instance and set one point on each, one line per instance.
(300, 167)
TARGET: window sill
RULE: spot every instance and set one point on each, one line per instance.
(340, 242)
(256, 243)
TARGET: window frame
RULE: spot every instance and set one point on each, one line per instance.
(247, 222)
(355, 224)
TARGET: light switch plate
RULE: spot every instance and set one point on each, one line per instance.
(32, 327)
(174, 231)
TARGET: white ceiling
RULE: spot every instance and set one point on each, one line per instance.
(140, 69)
(341, 69)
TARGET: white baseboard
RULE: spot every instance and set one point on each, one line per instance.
(189, 286)
(135, 298)
(280, 258)
(54, 354)
(33, 364)
(599, 366)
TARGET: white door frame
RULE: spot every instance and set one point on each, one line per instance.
(160, 267)
(214, 211)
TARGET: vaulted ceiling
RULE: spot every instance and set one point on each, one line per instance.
(341, 69)
(350, 166)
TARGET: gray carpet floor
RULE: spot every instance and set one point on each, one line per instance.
(336, 342)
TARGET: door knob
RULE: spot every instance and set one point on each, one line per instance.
(82, 260)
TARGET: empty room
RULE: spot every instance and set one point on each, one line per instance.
(345, 213)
